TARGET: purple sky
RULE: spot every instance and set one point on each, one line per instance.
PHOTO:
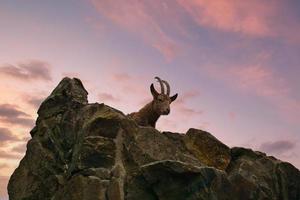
(234, 64)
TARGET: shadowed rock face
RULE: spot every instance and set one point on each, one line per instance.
(94, 152)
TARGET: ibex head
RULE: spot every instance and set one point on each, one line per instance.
(161, 101)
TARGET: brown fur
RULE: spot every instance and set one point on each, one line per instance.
(145, 116)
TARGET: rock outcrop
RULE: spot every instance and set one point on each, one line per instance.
(82, 151)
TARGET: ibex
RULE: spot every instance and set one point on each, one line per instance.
(160, 105)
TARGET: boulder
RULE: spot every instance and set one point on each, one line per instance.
(207, 148)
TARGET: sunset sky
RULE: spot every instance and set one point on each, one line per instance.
(234, 63)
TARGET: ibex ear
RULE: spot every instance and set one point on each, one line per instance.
(173, 97)
(153, 91)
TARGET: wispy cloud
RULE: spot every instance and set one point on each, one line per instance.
(21, 148)
(3, 166)
(28, 71)
(204, 125)
(118, 76)
(9, 155)
(230, 15)
(137, 17)
(128, 83)
(259, 79)
(12, 115)
(34, 101)
(6, 135)
(186, 111)
(183, 98)
(252, 18)
(263, 81)
(106, 97)
(180, 104)
(278, 147)
(11, 111)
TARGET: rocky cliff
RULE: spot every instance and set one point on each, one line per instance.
(82, 151)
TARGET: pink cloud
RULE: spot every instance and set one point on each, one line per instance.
(121, 76)
(128, 83)
(20, 148)
(130, 91)
(34, 100)
(168, 49)
(262, 81)
(11, 114)
(204, 125)
(184, 110)
(7, 135)
(248, 17)
(278, 147)
(187, 96)
(168, 124)
(28, 71)
(252, 18)
(136, 17)
(106, 97)
(181, 104)
(9, 155)
(2, 165)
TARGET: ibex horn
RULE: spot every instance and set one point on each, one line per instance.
(161, 85)
(168, 87)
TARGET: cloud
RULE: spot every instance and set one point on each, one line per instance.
(9, 110)
(233, 16)
(187, 96)
(107, 97)
(11, 114)
(28, 71)
(252, 18)
(278, 147)
(25, 122)
(121, 76)
(184, 110)
(181, 104)
(34, 101)
(260, 79)
(9, 155)
(6, 135)
(127, 82)
(21, 148)
(168, 124)
(138, 17)
(3, 165)
(263, 81)
(205, 125)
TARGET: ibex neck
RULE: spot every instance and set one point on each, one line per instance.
(153, 115)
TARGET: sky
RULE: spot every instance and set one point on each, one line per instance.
(233, 63)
